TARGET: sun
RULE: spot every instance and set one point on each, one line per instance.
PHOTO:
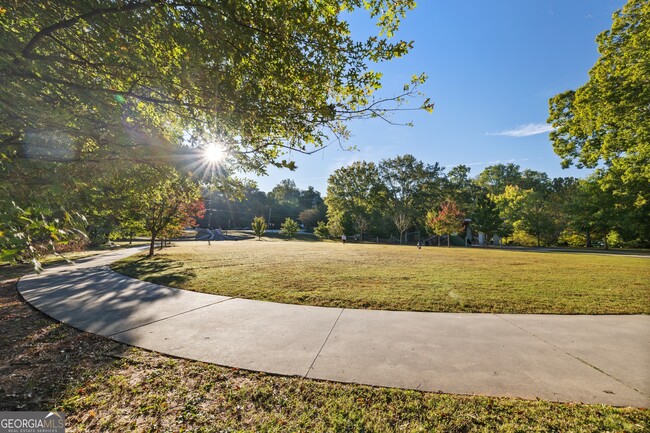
(214, 153)
(209, 159)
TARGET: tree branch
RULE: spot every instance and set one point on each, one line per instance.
(48, 31)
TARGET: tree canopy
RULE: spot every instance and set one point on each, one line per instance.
(606, 122)
(258, 77)
(236, 210)
(410, 185)
(91, 89)
(354, 195)
(163, 201)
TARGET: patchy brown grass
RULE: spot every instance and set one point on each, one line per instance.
(105, 386)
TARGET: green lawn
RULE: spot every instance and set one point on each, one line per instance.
(102, 385)
(403, 277)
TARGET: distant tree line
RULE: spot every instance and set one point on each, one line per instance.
(524, 207)
(237, 209)
(403, 194)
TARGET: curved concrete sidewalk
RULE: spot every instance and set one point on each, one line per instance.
(591, 359)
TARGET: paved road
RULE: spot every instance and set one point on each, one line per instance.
(591, 359)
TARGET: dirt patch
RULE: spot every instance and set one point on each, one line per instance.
(40, 358)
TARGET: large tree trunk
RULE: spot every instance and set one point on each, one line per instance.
(448, 240)
(588, 243)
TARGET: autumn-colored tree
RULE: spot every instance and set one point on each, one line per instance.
(448, 220)
(160, 197)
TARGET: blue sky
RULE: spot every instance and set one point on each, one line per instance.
(492, 67)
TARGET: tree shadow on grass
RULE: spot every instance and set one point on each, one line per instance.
(300, 237)
(157, 270)
(572, 250)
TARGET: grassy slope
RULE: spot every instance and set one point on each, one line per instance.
(403, 277)
(105, 386)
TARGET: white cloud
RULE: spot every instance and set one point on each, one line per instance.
(525, 130)
(472, 164)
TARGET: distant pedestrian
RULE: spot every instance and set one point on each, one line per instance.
(419, 245)
(344, 238)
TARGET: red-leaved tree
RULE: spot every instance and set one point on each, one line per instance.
(448, 220)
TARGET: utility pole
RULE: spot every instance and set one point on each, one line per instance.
(209, 213)
(209, 219)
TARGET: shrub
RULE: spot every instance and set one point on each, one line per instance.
(289, 228)
(322, 231)
(259, 226)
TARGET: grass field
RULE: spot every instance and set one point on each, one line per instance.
(102, 385)
(403, 277)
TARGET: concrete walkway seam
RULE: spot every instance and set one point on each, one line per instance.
(573, 356)
(168, 317)
(324, 343)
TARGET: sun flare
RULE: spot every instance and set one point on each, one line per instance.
(214, 153)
